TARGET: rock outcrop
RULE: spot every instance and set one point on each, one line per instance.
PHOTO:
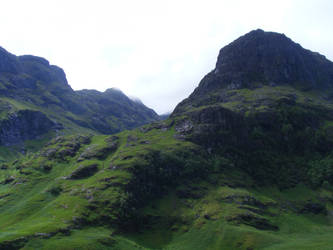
(25, 125)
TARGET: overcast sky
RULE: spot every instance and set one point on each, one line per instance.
(155, 50)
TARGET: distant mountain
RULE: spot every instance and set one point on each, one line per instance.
(36, 100)
(165, 116)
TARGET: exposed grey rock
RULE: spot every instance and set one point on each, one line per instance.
(43, 235)
(24, 125)
(83, 171)
(98, 151)
(253, 221)
(313, 207)
(184, 127)
(8, 180)
(14, 244)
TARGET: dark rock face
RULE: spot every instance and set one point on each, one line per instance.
(190, 192)
(84, 171)
(96, 151)
(14, 244)
(267, 58)
(313, 207)
(25, 71)
(40, 69)
(253, 221)
(8, 62)
(25, 125)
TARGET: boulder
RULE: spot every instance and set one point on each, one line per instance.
(83, 171)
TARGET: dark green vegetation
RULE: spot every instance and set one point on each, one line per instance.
(244, 163)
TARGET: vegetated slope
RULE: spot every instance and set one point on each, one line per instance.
(236, 166)
(36, 101)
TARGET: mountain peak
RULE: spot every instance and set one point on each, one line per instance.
(267, 58)
(36, 59)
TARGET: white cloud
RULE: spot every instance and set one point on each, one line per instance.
(155, 50)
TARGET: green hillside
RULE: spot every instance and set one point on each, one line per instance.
(245, 162)
(146, 189)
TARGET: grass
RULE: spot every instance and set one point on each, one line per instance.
(252, 101)
(29, 207)
(181, 223)
(89, 239)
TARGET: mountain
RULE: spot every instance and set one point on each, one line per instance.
(245, 162)
(36, 101)
(268, 100)
(264, 59)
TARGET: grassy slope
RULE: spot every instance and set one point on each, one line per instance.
(40, 200)
(52, 212)
(192, 229)
(31, 210)
(257, 99)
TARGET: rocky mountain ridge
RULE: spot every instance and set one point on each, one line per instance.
(31, 83)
